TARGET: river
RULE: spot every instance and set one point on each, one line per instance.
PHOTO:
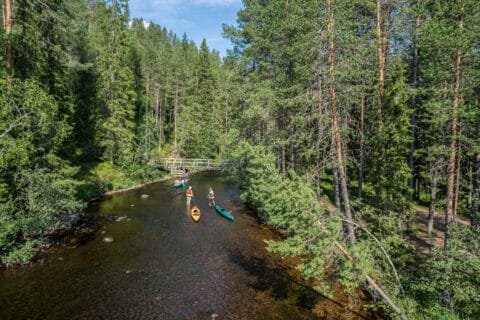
(163, 265)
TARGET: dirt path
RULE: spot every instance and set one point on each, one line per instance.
(421, 240)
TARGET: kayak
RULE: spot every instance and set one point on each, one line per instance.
(224, 212)
(195, 212)
(180, 184)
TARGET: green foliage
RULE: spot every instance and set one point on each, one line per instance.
(13, 249)
(96, 178)
(44, 196)
(312, 233)
(315, 234)
(200, 121)
(456, 269)
(28, 123)
(115, 86)
(21, 255)
(392, 143)
(89, 86)
(106, 173)
(10, 229)
(37, 187)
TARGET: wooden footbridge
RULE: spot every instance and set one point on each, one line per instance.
(177, 166)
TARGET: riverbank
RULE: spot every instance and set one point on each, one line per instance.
(108, 193)
(74, 229)
(24, 236)
(77, 228)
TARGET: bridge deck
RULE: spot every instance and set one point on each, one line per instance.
(175, 164)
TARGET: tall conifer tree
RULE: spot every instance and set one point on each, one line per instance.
(116, 92)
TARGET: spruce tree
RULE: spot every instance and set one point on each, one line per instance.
(198, 128)
(115, 84)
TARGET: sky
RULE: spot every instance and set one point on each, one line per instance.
(197, 18)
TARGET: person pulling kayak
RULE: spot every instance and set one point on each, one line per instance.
(179, 184)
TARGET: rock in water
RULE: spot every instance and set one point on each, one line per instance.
(108, 239)
(144, 196)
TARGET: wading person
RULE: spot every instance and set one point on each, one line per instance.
(189, 194)
(211, 198)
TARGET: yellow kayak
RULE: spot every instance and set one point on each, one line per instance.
(195, 212)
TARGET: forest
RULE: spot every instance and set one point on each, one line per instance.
(343, 118)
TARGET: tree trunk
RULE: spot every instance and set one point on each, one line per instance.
(433, 195)
(175, 112)
(334, 118)
(320, 129)
(411, 179)
(362, 141)
(475, 194)
(380, 56)
(457, 187)
(470, 186)
(8, 30)
(157, 108)
(336, 187)
(449, 216)
(413, 107)
(318, 174)
(226, 119)
(160, 120)
(371, 283)
(293, 156)
(283, 159)
(146, 146)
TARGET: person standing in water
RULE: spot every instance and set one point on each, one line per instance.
(186, 176)
(211, 198)
(189, 194)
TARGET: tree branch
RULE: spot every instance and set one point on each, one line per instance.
(14, 124)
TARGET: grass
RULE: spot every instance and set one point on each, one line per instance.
(96, 178)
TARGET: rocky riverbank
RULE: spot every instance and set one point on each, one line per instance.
(75, 228)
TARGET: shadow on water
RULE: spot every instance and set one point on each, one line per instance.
(281, 286)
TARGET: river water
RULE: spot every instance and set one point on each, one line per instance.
(163, 265)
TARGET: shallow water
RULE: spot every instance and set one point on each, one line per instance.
(163, 265)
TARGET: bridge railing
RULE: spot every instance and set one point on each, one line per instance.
(194, 164)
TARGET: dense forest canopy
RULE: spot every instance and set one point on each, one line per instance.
(369, 105)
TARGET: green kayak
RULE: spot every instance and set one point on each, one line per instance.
(224, 212)
(180, 184)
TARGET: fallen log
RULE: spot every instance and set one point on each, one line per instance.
(369, 280)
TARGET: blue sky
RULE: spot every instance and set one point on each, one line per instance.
(198, 18)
